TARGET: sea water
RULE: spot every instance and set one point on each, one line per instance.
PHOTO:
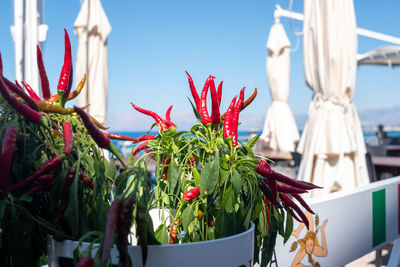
(126, 146)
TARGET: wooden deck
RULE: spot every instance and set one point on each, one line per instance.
(386, 164)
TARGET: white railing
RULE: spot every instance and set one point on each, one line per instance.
(349, 225)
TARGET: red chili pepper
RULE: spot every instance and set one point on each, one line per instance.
(191, 194)
(68, 137)
(46, 178)
(262, 170)
(44, 81)
(302, 202)
(37, 188)
(7, 150)
(141, 228)
(273, 186)
(219, 93)
(249, 100)
(205, 118)
(263, 163)
(110, 227)
(194, 92)
(227, 127)
(144, 138)
(86, 181)
(168, 113)
(65, 81)
(69, 179)
(291, 204)
(139, 148)
(160, 122)
(284, 188)
(120, 137)
(235, 118)
(168, 121)
(98, 136)
(72, 95)
(172, 234)
(26, 111)
(287, 208)
(123, 228)
(245, 103)
(31, 92)
(98, 124)
(21, 93)
(215, 116)
(85, 262)
(268, 210)
(191, 160)
(45, 168)
(170, 125)
(50, 108)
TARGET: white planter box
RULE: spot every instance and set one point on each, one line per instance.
(233, 251)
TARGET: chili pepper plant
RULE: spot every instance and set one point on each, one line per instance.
(54, 177)
(210, 184)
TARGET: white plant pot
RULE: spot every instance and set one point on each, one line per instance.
(233, 251)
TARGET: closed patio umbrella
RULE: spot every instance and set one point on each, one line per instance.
(332, 143)
(92, 28)
(280, 130)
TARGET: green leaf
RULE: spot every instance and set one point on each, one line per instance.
(121, 182)
(173, 176)
(25, 198)
(268, 248)
(223, 224)
(196, 177)
(187, 216)
(249, 212)
(162, 234)
(110, 169)
(281, 219)
(209, 176)
(195, 110)
(236, 182)
(228, 199)
(251, 143)
(289, 227)
(174, 147)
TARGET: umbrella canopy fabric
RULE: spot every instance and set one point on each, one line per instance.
(332, 143)
(280, 130)
(93, 28)
(385, 55)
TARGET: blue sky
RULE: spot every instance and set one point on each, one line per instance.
(152, 43)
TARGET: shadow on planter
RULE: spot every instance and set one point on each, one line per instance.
(235, 251)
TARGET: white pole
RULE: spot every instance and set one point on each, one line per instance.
(31, 40)
(280, 12)
(17, 31)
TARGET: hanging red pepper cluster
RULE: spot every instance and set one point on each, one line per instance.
(278, 183)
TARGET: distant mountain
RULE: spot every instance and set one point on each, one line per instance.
(368, 117)
(138, 122)
(385, 116)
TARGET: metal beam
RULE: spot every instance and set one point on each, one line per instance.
(280, 12)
